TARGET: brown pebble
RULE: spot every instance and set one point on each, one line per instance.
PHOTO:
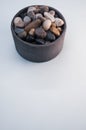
(55, 30)
(34, 24)
(59, 29)
(32, 32)
(54, 24)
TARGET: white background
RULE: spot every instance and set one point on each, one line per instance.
(44, 96)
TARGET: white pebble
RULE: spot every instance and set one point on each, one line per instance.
(46, 24)
(18, 22)
(49, 16)
(52, 12)
(59, 22)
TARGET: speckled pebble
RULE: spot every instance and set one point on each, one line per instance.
(47, 24)
(40, 32)
(18, 22)
(27, 20)
(49, 16)
(55, 30)
(59, 22)
(52, 12)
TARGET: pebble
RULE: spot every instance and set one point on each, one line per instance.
(50, 36)
(59, 28)
(39, 15)
(49, 16)
(27, 20)
(18, 22)
(59, 22)
(44, 9)
(54, 24)
(55, 30)
(32, 32)
(40, 41)
(32, 8)
(34, 24)
(19, 30)
(52, 12)
(30, 38)
(40, 32)
(47, 24)
(32, 15)
(22, 35)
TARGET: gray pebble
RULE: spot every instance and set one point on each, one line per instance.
(27, 20)
(40, 32)
(22, 35)
(38, 15)
(19, 30)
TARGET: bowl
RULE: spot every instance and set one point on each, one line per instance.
(38, 53)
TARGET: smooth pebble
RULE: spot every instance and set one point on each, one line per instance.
(59, 22)
(49, 16)
(40, 32)
(27, 20)
(18, 22)
(47, 24)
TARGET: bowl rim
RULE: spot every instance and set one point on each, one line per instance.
(35, 45)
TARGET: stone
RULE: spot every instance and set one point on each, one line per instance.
(47, 24)
(30, 38)
(27, 20)
(32, 32)
(34, 24)
(52, 12)
(44, 9)
(40, 32)
(49, 16)
(55, 30)
(50, 36)
(32, 15)
(18, 22)
(23, 34)
(18, 30)
(32, 8)
(59, 28)
(54, 24)
(40, 41)
(59, 22)
(39, 15)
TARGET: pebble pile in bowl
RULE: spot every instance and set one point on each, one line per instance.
(39, 25)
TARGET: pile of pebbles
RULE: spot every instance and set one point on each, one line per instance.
(39, 25)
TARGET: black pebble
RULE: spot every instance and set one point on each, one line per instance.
(30, 38)
(40, 41)
(50, 36)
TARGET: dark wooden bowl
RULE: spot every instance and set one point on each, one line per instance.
(38, 53)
